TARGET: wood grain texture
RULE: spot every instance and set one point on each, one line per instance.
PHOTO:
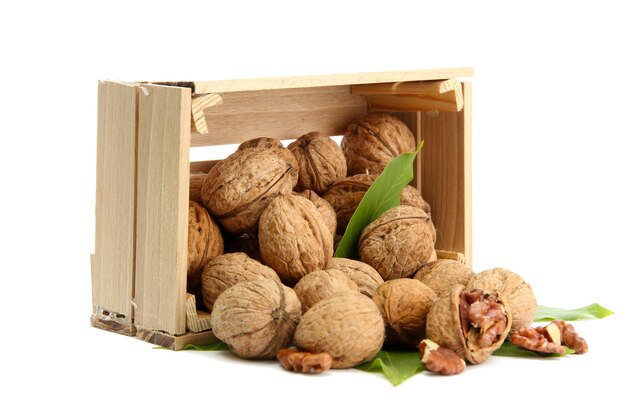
(197, 320)
(202, 166)
(113, 325)
(176, 342)
(440, 95)
(446, 176)
(198, 104)
(436, 87)
(280, 114)
(113, 261)
(162, 208)
(329, 80)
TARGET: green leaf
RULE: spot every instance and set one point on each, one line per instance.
(209, 347)
(382, 195)
(397, 366)
(514, 351)
(590, 312)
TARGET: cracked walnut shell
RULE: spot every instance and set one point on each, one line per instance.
(363, 275)
(238, 188)
(320, 162)
(256, 318)
(348, 326)
(324, 207)
(399, 242)
(442, 274)
(374, 140)
(317, 285)
(293, 238)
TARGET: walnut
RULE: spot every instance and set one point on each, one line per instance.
(246, 243)
(345, 195)
(229, 269)
(320, 162)
(348, 326)
(443, 274)
(238, 188)
(293, 238)
(519, 294)
(317, 285)
(195, 186)
(324, 207)
(399, 242)
(539, 339)
(204, 243)
(363, 275)
(262, 142)
(439, 359)
(404, 304)
(472, 323)
(256, 318)
(315, 363)
(374, 140)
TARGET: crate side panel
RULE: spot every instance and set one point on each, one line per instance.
(281, 114)
(446, 175)
(113, 262)
(162, 208)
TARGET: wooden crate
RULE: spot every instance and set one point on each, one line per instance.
(145, 131)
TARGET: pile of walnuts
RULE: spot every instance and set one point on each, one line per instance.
(263, 224)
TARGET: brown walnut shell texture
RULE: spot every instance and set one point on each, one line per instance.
(256, 318)
(204, 239)
(195, 186)
(324, 207)
(443, 325)
(442, 274)
(320, 162)
(363, 275)
(404, 304)
(238, 188)
(519, 293)
(348, 326)
(314, 287)
(230, 269)
(399, 242)
(345, 195)
(374, 140)
(262, 143)
(293, 238)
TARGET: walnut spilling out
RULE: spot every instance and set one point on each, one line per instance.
(439, 359)
(553, 338)
(309, 363)
(483, 319)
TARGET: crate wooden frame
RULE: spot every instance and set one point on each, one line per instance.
(145, 131)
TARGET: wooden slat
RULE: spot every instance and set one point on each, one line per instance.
(329, 80)
(162, 208)
(446, 175)
(281, 114)
(413, 87)
(113, 262)
(202, 166)
(176, 342)
(198, 104)
(441, 95)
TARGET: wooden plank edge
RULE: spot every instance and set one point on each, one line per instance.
(113, 325)
(455, 256)
(176, 342)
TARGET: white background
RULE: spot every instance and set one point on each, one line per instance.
(549, 169)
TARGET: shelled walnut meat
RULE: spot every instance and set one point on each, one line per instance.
(399, 242)
(346, 194)
(320, 162)
(474, 323)
(230, 269)
(348, 326)
(363, 275)
(442, 274)
(238, 188)
(324, 207)
(317, 285)
(256, 318)
(293, 238)
(204, 243)
(372, 141)
(404, 304)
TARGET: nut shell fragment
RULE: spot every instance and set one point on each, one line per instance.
(317, 285)
(442, 274)
(363, 275)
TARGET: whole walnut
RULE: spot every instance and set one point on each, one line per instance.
(293, 238)
(195, 186)
(262, 142)
(519, 293)
(399, 242)
(229, 269)
(317, 285)
(363, 275)
(256, 318)
(320, 162)
(238, 188)
(474, 323)
(374, 140)
(324, 207)
(247, 243)
(348, 326)
(404, 304)
(345, 195)
(204, 243)
(442, 274)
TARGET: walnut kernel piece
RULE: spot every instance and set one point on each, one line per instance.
(539, 339)
(315, 363)
(570, 338)
(439, 359)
